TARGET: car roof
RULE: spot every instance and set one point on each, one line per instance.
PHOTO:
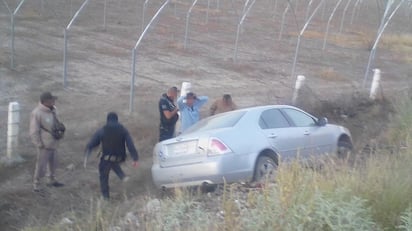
(265, 107)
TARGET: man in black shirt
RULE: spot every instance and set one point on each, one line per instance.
(168, 114)
(113, 137)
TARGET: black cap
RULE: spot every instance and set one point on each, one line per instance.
(190, 95)
(174, 88)
(47, 96)
(112, 117)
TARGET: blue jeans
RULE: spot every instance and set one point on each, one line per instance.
(104, 170)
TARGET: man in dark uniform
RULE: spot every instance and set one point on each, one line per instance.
(113, 137)
(168, 114)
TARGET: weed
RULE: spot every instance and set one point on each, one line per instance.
(406, 220)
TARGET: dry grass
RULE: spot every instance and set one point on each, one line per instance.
(371, 194)
(330, 74)
(346, 40)
(399, 43)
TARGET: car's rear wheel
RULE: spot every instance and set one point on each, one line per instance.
(344, 149)
(265, 169)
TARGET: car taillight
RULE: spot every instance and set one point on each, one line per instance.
(217, 147)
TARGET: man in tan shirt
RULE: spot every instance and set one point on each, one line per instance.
(42, 120)
(224, 104)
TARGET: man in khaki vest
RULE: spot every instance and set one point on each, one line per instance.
(41, 124)
(224, 104)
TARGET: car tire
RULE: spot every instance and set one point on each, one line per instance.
(344, 149)
(265, 169)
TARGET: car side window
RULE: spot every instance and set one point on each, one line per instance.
(299, 118)
(272, 118)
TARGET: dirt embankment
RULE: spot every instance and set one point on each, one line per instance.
(99, 77)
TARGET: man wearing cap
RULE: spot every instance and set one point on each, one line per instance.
(113, 137)
(42, 120)
(189, 107)
(224, 104)
(168, 114)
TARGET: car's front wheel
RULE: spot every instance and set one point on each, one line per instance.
(265, 169)
(344, 149)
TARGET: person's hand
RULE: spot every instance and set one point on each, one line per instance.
(135, 164)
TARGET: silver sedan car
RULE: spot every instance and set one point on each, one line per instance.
(244, 145)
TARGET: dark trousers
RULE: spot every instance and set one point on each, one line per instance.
(104, 170)
(166, 132)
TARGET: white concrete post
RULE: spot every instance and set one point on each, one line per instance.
(300, 80)
(186, 88)
(375, 83)
(13, 133)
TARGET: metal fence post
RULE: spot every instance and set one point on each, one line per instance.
(343, 16)
(104, 14)
(143, 14)
(244, 8)
(207, 12)
(283, 21)
(239, 26)
(354, 11)
(328, 24)
(187, 22)
(275, 8)
(132, 81)
(12, 14)
(66, 30)
(12, 42)
(308, 9)
(300, 35)
(65, 58)
(378, 37)
(133, 74)
(324, 9)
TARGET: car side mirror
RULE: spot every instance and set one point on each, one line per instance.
(322, 121)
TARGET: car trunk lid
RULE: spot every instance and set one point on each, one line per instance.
(182, 152)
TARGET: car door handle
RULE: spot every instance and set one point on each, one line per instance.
(272, 136)
(306, 133)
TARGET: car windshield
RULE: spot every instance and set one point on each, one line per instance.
(215, 122)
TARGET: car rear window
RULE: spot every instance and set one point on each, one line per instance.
(224, 120)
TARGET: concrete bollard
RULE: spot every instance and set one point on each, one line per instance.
(186, 88)
(300, 80)
(375, 83)
(13, 134)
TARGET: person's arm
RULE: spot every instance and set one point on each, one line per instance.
(180, 102)
(130, 146)
(169, 114)
(165, 109)
(35, 127)
(95, 140)
(201, 100)
(213, 108)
